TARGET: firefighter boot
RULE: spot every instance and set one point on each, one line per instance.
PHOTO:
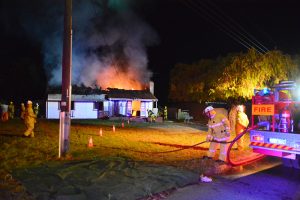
(27, 133)
(32, 134)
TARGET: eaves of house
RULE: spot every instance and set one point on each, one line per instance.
(75, 97)
(117, 94)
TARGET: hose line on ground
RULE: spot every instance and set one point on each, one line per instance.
(232, 142)
(244, 162)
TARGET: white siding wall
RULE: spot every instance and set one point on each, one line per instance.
(84, 110)
(111, 108)
(122, 107)
(52, 110)
(146, 105)
(106, 106)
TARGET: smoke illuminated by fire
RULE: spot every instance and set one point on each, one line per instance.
(112, 77)
(108, 45)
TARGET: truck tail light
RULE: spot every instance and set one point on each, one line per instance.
(257, 138)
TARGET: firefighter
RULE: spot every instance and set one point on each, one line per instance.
(218, 134)
(4, 114)
(11, 110)
(22, 111)
(36, 109)
(232, 118)
(165, 113)
(151, 115)
(241, 124)
(29, 120)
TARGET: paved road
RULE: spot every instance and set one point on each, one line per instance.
(276, 183)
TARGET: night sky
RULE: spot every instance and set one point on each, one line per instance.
(165, 32)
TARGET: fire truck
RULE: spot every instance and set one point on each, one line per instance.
(275, 122)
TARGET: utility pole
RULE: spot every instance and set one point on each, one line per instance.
(66, 90)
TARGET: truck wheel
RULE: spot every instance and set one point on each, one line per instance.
(296, 162)
(287, 162)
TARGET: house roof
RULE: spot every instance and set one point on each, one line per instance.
(111, 94)
(114, 94)
(90, 97)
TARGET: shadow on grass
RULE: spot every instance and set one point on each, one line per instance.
(6, 133)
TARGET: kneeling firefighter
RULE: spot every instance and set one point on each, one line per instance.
(218, 131)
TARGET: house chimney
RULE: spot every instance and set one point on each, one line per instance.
(151, 87)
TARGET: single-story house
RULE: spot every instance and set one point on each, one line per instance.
(113, 102)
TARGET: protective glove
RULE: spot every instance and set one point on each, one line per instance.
(209, 138)
(227, 133)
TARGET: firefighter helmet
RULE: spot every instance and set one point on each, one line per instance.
(208, 108)
(240, 108)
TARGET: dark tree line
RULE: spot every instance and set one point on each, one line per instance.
(234, 76)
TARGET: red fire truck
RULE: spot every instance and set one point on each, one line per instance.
(276, 114)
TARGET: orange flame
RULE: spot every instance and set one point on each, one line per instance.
(112, 77)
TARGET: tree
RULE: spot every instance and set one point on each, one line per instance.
(232, 77)
(254, 71)
(190, 82)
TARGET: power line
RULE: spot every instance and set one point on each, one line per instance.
(200, 10)
(221, 27)
(245, 33)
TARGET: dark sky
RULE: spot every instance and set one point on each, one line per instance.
(171, 31)
(205, 29)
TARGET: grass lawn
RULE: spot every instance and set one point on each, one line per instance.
(136, 141)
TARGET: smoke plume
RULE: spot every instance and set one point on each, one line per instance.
(109, 43)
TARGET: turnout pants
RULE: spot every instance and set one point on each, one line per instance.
(223, 150)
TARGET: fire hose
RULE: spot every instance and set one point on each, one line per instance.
(232, 142)
(244, 162)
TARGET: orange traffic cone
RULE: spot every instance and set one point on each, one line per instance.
(122, 124)
(100, 132)
(90, 144)
(114, 128)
